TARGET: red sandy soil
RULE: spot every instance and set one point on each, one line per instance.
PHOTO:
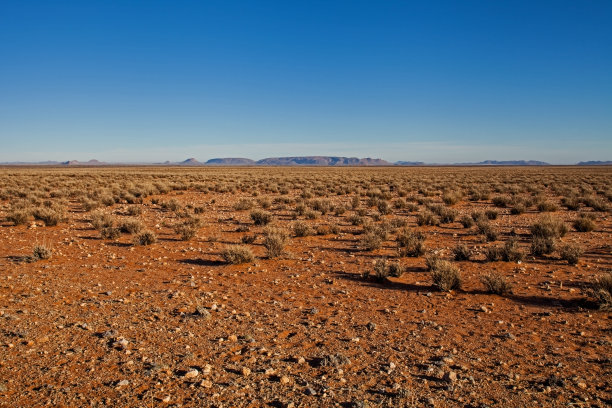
(107, 323)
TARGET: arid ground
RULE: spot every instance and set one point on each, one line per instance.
(133, 287)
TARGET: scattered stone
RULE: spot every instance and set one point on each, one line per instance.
(206, 383)
(123, 383)
(245, 371)
(450, 377)
(310, 391)
(233, 338)
(371, 326)
(284, 380)
(193, 373)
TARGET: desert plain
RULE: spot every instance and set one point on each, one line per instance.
(305, 287)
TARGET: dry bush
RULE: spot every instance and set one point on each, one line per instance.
(301, 229)
(110, 233)
(547, 206)
(501, 201)
(571, 203)
(544, 234)
(237, 254)
(570, 253)
(491, 214)
(383, 269)
(248, 239)
(50, 216)
(132, 226)
(496, 283)
(445, 276)
(427, 218)
(188, 228)
(19, 216)
(274, 241)
(370, 241)
(518, 208)
(145, 238)
(461, 253)
(243, 204)
(134, 210)
(486, 229)
(466, 221)
(601, 290)
(261, 217)
(585, 223)
(101, 220)
(452, 197)
(410, 243)
(172, 205)
(543, 245)
(355, 219)
(596, 203)
(41, 251)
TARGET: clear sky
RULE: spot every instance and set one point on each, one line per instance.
(434, 81)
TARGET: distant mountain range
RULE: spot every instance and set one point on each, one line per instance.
(302, 161)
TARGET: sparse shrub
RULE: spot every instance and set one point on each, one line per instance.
(132, 226)
(461, 252)
(486, 229)
(334, 228)
(311, 215)
(491, 214)
(571, 203)
(410, 243)
(518, 208)
(547, 206)
(172, 205)
(370, 241)
(145, 238)
(431, 260)
(260, 217)
(274, 241)
(383, 207)
(19, 216)
(398, 222)
(134, 210)
(570, 253)
(41, 251)
(101, 220)
(248, 239)
(301, 229)
(322, 230)
(496, 283)
(494, 253)
(445, 276)
(452, 197)
(339, 210)
(596, 203)
(542, 245)
(501, 201)
(110, 233)
(466, 221)
(601, 289)
(237, 254)
(395, 269)
(186, 231)
(381, 272)
(89, 205)
(549, 227)
(427, 218)
(512, 252)
(50, 216)
(355, 219)
(584, 223)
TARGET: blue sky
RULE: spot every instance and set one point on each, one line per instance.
(434, 81)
